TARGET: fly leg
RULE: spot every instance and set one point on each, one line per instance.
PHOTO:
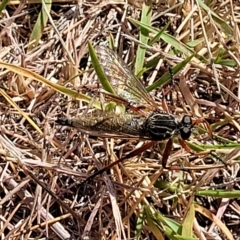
(187, 149)
(129, 155)
(166, 154)
(208, 127)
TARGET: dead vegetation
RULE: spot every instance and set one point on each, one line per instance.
(46, 72)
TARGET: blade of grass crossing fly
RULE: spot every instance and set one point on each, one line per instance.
(99, 71)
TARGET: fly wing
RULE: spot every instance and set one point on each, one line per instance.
(126, 85)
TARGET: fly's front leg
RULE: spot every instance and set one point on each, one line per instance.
(207, 125)
(187, 148)
(167, 152)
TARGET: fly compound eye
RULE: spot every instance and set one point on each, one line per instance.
(186, 128)
(187, 120)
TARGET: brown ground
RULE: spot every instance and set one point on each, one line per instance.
(43, 165)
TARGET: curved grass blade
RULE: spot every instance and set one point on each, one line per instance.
(59, 88)
(151, 223)
(3, 5)
(166, 38)
(39, 25)
(111, 42)
(158, 35)
(140, 221)
(99, 71)
(208, 214)
(166, 77)
(124, 82)
(9, 99)
(222, 24)
(161, 224)
(187, 225)
(141, 51)
(219, 193)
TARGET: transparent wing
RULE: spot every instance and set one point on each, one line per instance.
(125, 84)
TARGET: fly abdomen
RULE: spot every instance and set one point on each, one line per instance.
(108, 124)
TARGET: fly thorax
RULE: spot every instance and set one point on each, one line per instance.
(161, 126)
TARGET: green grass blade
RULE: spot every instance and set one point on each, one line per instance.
(158, 35)
(166, 38)
(157, 222)
(99, 71)
(39, 25)
(166, 77)
(26, 116)
(222, 24)
(219, 193)
(59, 88)
(3, 5)
(141, 51)
(111, 42)
(187, 226)
(140, 221)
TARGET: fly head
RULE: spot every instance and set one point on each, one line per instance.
(186, 127)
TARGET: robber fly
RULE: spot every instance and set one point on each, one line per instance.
(146, 122)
